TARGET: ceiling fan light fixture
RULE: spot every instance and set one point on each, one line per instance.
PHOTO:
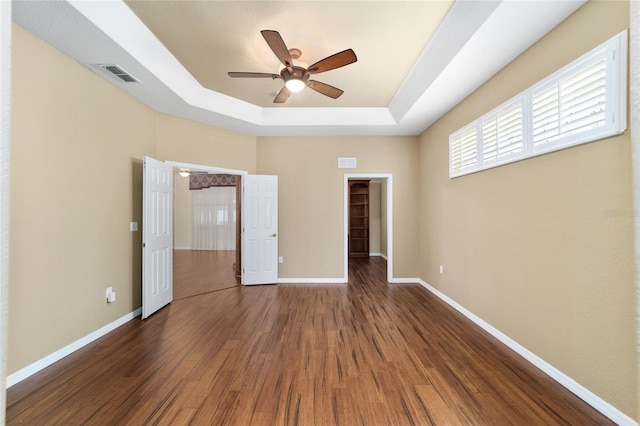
(295, 85)
(296, 73)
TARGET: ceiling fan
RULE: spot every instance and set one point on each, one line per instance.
(296, 77)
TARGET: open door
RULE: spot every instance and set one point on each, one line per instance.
(260, 230)
(157, 236)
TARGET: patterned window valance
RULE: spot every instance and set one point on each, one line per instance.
(201, 180)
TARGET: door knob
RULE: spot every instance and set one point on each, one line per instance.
(274, 234)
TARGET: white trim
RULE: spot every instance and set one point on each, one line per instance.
(375, 255)
(209, 169)
(29, 370)
(583, 393)
(388, 177)
(405, 280)
(311, 281)
(182, 248)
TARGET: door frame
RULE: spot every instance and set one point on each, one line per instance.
(215, 170)
(388, 179)
(198, 167)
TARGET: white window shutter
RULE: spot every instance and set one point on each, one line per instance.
(583, 102)
(502, 134)
(573, 105)
(463, 151)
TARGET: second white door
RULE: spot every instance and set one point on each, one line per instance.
(260, 229)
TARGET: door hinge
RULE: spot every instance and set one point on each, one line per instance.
(143, 245)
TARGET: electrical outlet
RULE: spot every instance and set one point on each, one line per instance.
(133, 226)
(281, 259)
(111, 295)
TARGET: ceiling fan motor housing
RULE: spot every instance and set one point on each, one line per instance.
(295, 73)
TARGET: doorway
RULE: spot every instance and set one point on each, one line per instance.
(206, 255)
(385, 226)
(259, 218)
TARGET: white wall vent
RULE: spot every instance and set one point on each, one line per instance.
(346, 162)
(117, 71)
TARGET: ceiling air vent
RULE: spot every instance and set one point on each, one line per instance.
(347, 162)
(119, 72)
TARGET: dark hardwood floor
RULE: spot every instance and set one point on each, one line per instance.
(197, 272)
(365, 353)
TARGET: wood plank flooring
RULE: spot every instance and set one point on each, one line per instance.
(365, 353)
(197, 272)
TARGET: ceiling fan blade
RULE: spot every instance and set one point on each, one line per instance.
(332, 62)
(253, 75)
(276, 44)
(325, 89)
(282, 95)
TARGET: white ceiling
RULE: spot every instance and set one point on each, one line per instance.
(416, 59)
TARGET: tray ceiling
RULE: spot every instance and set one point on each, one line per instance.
(416, 59)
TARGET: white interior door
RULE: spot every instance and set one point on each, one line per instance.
(260, 229)
(157, 236)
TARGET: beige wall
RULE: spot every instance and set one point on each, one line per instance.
(76, 179)
(311, 198)
(181, 213)
(190, 142)
(76, 183)
(529, 247)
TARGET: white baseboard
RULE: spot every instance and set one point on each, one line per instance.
(585, 394)
(182, 248)
(311, 281)
(404, 280)
(29, 370)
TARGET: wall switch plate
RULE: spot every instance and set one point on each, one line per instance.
(280, 259)
(441, 269)
(133, 226)
(109, 291)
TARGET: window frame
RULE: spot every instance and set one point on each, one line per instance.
(614, 52)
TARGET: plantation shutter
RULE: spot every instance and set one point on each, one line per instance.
(502, 134)
(463, 150)
(584, 101)
(573, 105)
